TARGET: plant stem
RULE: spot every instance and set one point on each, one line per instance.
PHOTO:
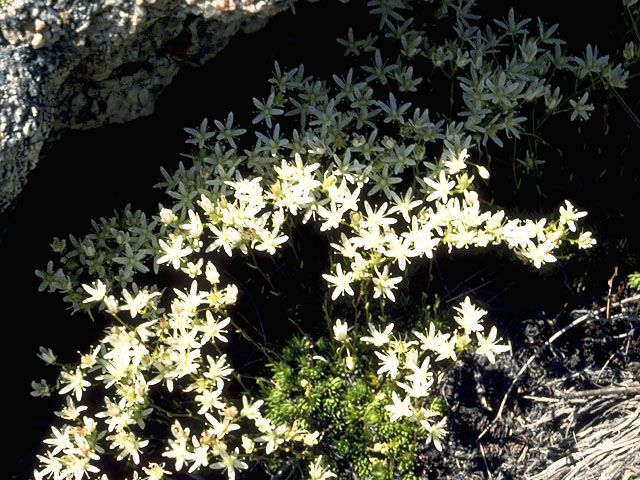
(626, 107)
(169, 414)
(266, 277)
(247, 337)
(634, 25)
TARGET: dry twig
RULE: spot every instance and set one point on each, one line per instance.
(552, 339)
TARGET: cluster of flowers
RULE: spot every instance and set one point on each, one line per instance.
(163, 348)
(407, 363)
(370, 186)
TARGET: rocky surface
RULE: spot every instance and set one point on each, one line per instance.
(68, 64)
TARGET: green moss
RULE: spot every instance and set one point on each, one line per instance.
(311, 385)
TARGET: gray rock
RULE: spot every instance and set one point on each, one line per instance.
(69, 64)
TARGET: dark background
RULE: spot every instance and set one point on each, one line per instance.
(89, 174)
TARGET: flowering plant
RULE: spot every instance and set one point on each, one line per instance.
(364, 162)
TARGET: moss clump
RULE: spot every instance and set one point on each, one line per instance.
(312, 384)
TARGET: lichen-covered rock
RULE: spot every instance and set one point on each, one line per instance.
(82, 64)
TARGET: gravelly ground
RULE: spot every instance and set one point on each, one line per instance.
(535, 428)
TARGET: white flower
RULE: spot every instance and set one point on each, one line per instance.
(248, 444)
(333, 216)
(394, 114)
(40, 389)
(213, 328)
(456, 163)
(200, 135)
(88, 360)
(221, 429)
(436, 432)
(208, 399)
(581, 108)
(399, 408)
(569, 215)
(75, 381)
(249, 191)
(540, 253)
(178, 445)
(469, 316)
(251, 410)
(341, 281)
(199, 456)
(629, 51)
(227, 131)
(266, 110)
(378, 337)
(206, 205)
(139, 303)
(400, 250)
(390, 363)
(155, 471)
(194, 228)
(552, 99)
(591, 62)
(52, 465)
(311, 438)
(97, 293)
(351, 43)
(349, 362)
(230, 462)
(173, 252)
(383, 284)
(129, 445)
(167, 216)
(585, 240)
(441, 189)
(70, 411)
(270, 242)
(60, 439)
(404, 204)
(273, 437)
(317, 472)
(192, 300)
(421, 373)
(433, 340)
(488, 347)
(417, 388)
(111, 304)
(211, 273)
(510, 26)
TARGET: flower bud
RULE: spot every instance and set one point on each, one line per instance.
(340, 330)
(247, 444)
(211, 272)
(58, 245)
(629, 51)
(111, 304)
(483, 172)
(47, 355)
(167, 216)
(350, 362)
